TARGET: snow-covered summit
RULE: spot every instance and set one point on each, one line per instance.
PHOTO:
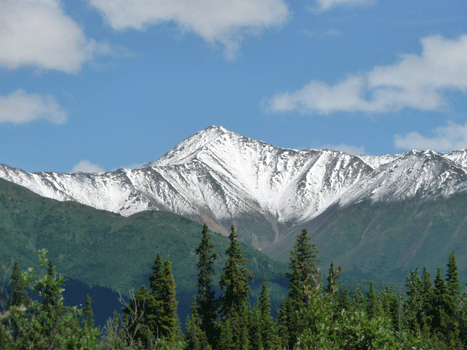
(220, 177)
(187, 149)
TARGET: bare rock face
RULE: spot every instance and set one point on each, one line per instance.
(222, 178)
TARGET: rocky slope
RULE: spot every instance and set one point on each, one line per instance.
(222, 178)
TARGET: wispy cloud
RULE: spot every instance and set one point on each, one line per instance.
(349, 149)
(326, 5)
(132, 166)
(85, 166)
(330, 32)
(446, 138)
(20, 107)
(223, 21)
(416, 81)
(37, 33)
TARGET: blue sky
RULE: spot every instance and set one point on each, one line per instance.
(96, 85)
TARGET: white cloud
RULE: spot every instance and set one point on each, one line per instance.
(134, 166)
(223, 21)
(85, 166)
(349, 149)
(416, 81)
(447, 138)
(325, 5)
(20, 107)
(330, 32)
(38, 33)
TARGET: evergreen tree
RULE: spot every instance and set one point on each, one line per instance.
(136, 319)
(345, 301)
(359, 301)
(18, 293)
(170, 327)
(269, 338)
(454, 291)
(52, 305)
(426, 314)
(386, 298)
(152, 315)
(156, 281)
(454, 285)
(243, 342)
(373, 307)
(398, 320)
(49, 324)
(332, 289)
(332, 286)
(18, 296)
(233, 304)
(226, 336)
(302, 266)
(415, 303)
(254, 327)
(205, 298)
(88, 314)
(195, 337)
(282, 315)
(440, 303)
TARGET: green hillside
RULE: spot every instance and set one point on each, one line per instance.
(384, 241)
(100, 248)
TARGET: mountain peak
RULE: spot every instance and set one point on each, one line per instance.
(187, 149)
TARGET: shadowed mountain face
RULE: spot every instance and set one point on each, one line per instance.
(382, 210)
(96, 248)
(384, 240)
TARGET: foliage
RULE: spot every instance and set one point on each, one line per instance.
(100, 248)
(428, 317)
(233, 303)
(205, 300)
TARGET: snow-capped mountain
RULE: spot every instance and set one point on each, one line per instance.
(219, 177)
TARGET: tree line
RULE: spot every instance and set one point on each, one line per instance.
(428, 316)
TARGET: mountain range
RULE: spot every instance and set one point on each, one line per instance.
(398, 211)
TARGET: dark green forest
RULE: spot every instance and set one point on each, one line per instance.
(315, 313)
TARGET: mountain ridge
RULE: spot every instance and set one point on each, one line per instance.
(220, 177)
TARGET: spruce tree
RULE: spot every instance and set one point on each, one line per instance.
(426, 316)
(205, 298)
(88, 314)
(373, 307)
(170, 327)
(254, 327)
(226, 336)
(154, 307)
(302, 266)
(49, 324)
(441, 319)
(345, 301)
(269, 338)
(359, 301)
(234, 302)
(415, 302)
(52, 305)
(136, 319)
(332, 286)
(18, 295)
(454, 292)
(282, 315)
(195, 337)
(390, 306)
(454, 285)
